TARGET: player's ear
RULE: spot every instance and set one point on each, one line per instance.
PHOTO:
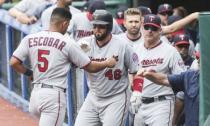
(65, 23)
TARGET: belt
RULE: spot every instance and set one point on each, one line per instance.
(154, 99)
(42, 85)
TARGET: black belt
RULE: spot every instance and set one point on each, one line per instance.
(153, 99)
(51, 86)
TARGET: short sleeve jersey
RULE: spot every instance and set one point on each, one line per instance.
(111, 81)
(80, 27)
(45, 18)
(50, 55)
(163, 58)
(32, 8)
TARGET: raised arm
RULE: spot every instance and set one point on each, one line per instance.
(180, 24)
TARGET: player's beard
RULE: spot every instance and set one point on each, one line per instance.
(101, 37)
(134, 31)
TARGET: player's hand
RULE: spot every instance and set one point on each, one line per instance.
(85, 46)
(142, 72)
(111, 62)
(135, 101)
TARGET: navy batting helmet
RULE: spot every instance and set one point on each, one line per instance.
(103, 17)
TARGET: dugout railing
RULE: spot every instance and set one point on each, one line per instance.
(15, 87)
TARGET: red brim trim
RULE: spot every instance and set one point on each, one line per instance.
(182, 43)
(158, 26)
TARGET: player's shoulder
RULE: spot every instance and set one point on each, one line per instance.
(119, 38)
(49, 10)
(74, 10)
(167, 46)
(79, 16)
(122, 35)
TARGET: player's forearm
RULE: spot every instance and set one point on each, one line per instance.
(21, 17)
(158, 78)
(180, 24)
(15, 13)
(95, 66)
(16, 64)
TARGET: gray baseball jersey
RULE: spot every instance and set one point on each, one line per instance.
(45, 18)
(31, 7)
(111, 81)
(50, 53)
(135, 43)
(163, 58)
(80, 26)
(107, 101)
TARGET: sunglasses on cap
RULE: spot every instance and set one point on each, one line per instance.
(99, 26)
(150, 27)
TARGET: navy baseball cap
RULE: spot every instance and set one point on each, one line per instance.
(173, 18)
(144, 10)
(165, 8)
(181, 39)
(96, 5)
(152, 19)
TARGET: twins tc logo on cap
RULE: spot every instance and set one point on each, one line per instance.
(181, 39)
(153, 20)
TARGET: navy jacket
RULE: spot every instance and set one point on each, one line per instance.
(189, 83)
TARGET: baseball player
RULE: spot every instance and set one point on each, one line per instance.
(107, 101)
(182, 44)
(29, 11)
(80, 27)
(45, 18)
(157, 101)
(188, 82)
(164, 11)
(51, 55)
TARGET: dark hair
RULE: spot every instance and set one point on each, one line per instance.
(60, 14)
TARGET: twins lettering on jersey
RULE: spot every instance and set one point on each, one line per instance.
(46, 41)
(110, 74)
(82, 33)
(102, 59)
(151, 62)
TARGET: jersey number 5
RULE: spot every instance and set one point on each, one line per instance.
(43, 62)
(113, 74)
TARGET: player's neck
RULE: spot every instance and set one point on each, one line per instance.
(133, 37)
(105, 41)
(151, 45)
(55, 29)
(61, 5)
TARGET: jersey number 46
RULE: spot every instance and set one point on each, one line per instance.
(113, 74)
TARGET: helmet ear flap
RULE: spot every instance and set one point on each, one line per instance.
(103, 17)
